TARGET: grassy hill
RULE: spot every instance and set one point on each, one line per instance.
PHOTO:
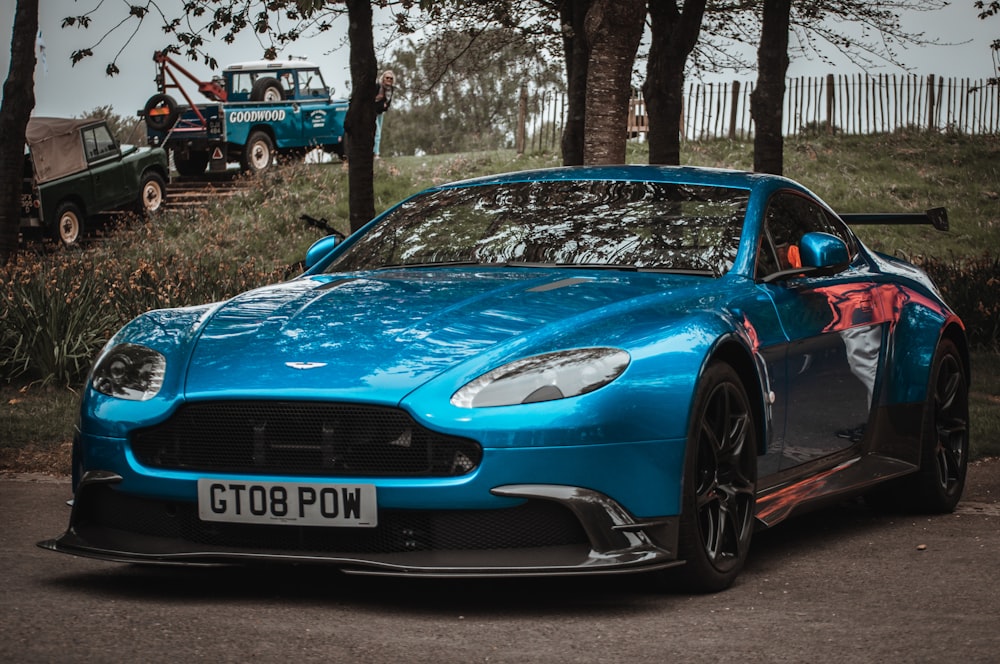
(73, 300)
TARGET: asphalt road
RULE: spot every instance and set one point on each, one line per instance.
(842, 585)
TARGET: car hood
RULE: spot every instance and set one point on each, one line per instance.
(379, 335)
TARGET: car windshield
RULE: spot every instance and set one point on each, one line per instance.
(585, 223)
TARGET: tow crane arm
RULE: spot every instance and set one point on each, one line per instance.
(210, 89)
(161, 110)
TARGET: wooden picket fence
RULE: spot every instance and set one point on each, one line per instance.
(851, 104)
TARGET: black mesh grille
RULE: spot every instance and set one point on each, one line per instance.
(302, 438)
(533, 524)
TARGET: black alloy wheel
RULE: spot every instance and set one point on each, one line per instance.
(720, 481)
(944, 434)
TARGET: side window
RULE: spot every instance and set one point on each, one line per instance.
(286, 79)
(834, 226)
(98, 143)
(239, 88)
(767, 260)
(311, 83)
(790, 216)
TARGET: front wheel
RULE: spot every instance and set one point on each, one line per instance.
(152, 193)
(258, 153)
(720, 479)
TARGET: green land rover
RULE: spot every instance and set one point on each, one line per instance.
(75, 169)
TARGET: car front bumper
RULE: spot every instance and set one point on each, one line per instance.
(554, 530)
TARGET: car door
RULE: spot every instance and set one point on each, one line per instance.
(320, 125)
(108, 185)
(833, 330)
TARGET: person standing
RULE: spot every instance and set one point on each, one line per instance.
(383, 97)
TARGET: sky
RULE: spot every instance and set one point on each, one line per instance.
(65, 90)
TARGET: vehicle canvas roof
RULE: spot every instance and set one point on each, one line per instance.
(56, 147)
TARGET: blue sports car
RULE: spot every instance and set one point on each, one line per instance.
(565, 371)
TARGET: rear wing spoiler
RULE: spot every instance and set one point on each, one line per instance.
(936, 217)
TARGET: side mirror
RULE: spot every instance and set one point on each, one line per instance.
(819, 254)
(823, 250)
(319, 249)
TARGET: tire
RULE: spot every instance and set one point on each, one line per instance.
(266, 89)
(152, 193)
(160, 112)
(68, 228)
(720, 481)
(258, 153)
(944, 439)
(193, 165)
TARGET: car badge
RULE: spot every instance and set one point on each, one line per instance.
(305, 365)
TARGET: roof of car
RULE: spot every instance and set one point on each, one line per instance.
(637, 172)
(271, 64)
(42, 128)
(56, 147)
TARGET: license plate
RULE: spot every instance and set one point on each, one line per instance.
(288, 503)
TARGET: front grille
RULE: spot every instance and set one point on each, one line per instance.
(535, 523)
(302, 438)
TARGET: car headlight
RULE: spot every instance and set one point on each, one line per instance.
(545, 377)
(129, 371)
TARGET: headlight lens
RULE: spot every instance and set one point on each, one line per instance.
(131, 372)
(545, 377)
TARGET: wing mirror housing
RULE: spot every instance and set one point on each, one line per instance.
(820, 254)
(823, 251)
(319, 249)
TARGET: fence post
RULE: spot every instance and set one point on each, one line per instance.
(931, 122)
(830, 91)
(522, 119)
(733, 109)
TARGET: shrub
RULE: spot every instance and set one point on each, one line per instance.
(51, 321)
(58, 310)
(972, 287)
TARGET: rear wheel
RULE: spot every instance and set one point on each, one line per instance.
(720, 478)
(69, 224)
(944, 439)
(258, 153)
(944, 444)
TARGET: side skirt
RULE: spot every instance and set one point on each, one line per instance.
(853, 476)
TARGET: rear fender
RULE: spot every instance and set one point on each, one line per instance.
(914, 336)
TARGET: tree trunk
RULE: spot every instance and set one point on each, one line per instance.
(767, 99)
(613, 29)
(674, 35)
(577, 54)
(18, 101)
(359, 125)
